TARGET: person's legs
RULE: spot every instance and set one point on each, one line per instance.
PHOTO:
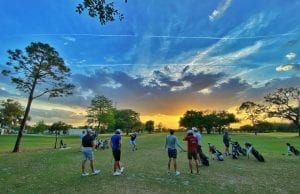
(197, 166)
(83, 166)
(190, 166)
(169, 164)
(92, 165)
(175, 165)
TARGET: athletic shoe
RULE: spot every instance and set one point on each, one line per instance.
(122, 169)
(117, 173)
(85, 174)
(96, 172)
(177, 173)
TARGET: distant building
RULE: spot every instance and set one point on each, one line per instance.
(75, 131)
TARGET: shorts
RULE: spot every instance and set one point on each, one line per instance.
(117, 155)
(192, 154)
(87, 153)
(132, 142)
(226, 143)
(172, 153)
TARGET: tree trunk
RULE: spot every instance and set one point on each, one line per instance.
(22, 126)
(56, 132)
(23, 123)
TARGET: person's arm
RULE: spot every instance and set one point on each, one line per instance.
(120, 143)
(93, 143)
(178, 144)
(166, 142)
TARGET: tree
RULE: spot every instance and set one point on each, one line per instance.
(105, 12)
(224, 119)
(285, 103)
(11, 112)
(101, 112)
(191, 119)
(58, 127)
(253, 112)
(40, 127)
(149, 126)
(127, 120)
(41, 71)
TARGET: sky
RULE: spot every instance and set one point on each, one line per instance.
(164, 58)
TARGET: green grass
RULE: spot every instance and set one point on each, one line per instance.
(38, 168)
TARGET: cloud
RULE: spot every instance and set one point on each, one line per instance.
(288, 67)
(205, 91)
(55, 115)
(68, 39)
(290, 56)
(223, 6)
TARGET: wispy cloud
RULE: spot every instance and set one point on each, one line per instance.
(288, 67)
(290, 55)
(223, 6)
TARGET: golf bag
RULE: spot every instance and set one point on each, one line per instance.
(204, 159)
(292, 150)
(102, 144)
(234, 151)
(254, 152)
(241, 150)
(215, 153)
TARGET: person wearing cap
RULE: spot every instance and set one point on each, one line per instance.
(88, 144)
(226, 140)
(132, 141)
(115, 143)
(170, 146)
(192, 144)
(198, 136)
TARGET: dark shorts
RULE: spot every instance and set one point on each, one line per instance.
(172, 153)
(226, 143)
(192, 154)
(117, 155)
(199, 149)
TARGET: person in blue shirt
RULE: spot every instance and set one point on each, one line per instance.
(115, 143)
(226, 140)
(170, 146)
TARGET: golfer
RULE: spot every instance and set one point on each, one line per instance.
(170, 146)
(115, 143)
(192, 144)
(88, 144)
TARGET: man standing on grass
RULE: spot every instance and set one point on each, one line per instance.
(115, 143)
(170, 146)
(199, 139)
(192, 145)
(133, 141)
(88, 144)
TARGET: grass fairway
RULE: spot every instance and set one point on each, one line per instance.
(41, 169)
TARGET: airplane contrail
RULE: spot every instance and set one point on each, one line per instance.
(172, 37)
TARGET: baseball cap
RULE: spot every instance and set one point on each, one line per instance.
(195, 129)
(189, 131)
(118, 131)
(89, 130)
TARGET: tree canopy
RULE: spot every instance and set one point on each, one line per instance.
(285, 103)
(11, 112)
(105, 12)
(100, 112)
(128, 120)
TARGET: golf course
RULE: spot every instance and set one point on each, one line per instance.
(39, 168)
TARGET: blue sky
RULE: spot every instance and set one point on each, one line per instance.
(164, 58)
